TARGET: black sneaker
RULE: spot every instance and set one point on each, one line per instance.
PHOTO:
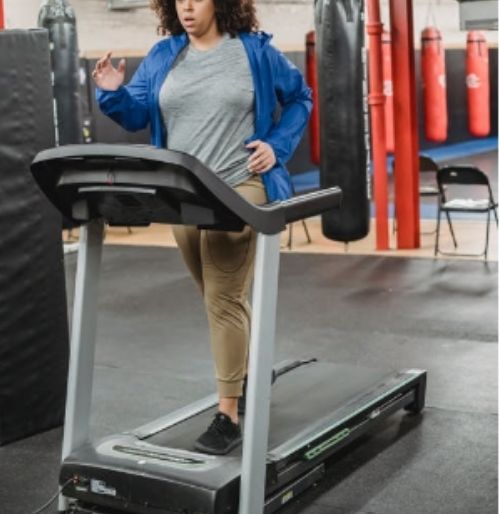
(221, 436)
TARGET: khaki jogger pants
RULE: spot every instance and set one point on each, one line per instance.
(221, 264)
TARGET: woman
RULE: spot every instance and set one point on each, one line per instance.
(213, 87)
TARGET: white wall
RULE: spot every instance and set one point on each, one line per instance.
(100, 29)
(446, 16)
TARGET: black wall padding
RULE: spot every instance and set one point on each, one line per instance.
(58, 17)
(343, 125)
(33, 316)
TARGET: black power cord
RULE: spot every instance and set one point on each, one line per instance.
(53, 498)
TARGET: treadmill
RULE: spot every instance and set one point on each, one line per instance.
(290, 428)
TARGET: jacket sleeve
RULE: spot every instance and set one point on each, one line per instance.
(128, 105)
(295, 98)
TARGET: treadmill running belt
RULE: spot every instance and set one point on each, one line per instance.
(303, 395)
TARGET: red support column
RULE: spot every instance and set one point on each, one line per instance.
(406, 125)
(376, 100)
(2, 17)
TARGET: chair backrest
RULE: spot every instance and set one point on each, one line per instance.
(425, 164)
(465, 175)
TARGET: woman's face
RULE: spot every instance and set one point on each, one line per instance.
(196, 16)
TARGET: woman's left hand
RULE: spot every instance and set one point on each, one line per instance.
(262, 158)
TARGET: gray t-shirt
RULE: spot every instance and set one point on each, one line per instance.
(207, 103)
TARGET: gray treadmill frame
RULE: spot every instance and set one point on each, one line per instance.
(261, 355)
(82, 346)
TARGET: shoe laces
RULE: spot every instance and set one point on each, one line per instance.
(218, 424)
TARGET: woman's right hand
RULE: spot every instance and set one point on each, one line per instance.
(106, 76)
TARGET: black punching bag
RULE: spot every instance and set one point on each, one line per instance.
(343, 115)
(58, 17)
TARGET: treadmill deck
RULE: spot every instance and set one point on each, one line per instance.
(305, 394)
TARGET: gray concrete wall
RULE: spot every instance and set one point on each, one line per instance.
(134, 31)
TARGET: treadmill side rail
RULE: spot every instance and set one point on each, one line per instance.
(175, 417)
(366, 403)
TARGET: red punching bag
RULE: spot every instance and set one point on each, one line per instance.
(312, 80)
(478, 84)
(388, 90)
(434, 85)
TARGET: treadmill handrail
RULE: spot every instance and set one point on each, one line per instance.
(268, 218)
(305, 205)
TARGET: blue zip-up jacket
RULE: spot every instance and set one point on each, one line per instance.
(275, 79)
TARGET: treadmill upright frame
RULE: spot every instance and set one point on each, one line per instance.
(261, 356)
(265, 292)
(83, 335)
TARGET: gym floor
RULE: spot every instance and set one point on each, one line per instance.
(390, 310)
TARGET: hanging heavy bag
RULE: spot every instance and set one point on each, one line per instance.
(478, 84)
(312, 81)
(58, 17)
(343, 120)
(388, 90)
(434, 85)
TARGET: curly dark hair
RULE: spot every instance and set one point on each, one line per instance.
(232, 16)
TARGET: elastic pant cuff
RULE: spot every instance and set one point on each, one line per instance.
(230, 389)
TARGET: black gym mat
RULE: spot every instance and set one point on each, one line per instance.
(33, 318)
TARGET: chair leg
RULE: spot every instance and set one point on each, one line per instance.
(451, 230)
(487, 237)
(436, 241)
(394, 219)
(290, 236)
(496, 215)
(304, 224)
(420, 222)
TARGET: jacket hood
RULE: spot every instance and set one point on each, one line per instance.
(179, 41)
(176, 43)
(260, 36)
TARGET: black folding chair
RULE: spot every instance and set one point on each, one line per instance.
(453, 182)
(428, 184)
(428, 169)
